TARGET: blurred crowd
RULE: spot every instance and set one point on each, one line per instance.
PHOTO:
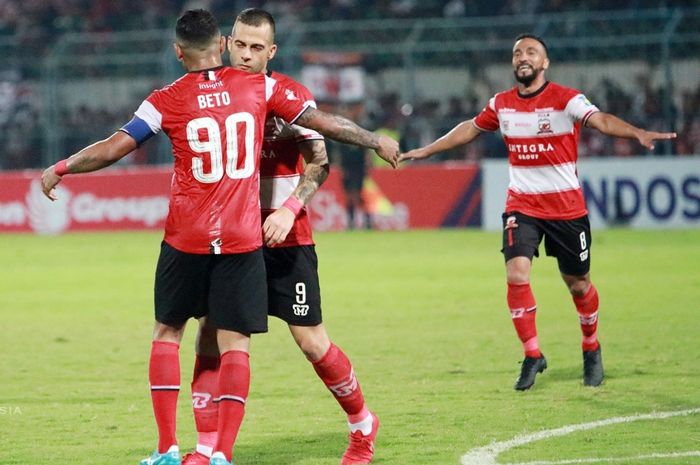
(35, 19)
(33, 25)
(414, 124)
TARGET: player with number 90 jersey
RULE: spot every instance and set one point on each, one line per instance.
(215, 119)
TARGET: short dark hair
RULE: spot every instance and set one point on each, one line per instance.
(533, 36)
(256, 17)
(196, 28)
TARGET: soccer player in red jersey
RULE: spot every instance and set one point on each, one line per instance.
(211, 257)
(287, 185)
(540, 123)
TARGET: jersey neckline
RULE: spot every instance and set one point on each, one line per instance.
(215, 68)
(535, 93)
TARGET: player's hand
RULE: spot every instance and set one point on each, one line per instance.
(388, 150)
(415, 154)
(49, 180)
(277, 226)
(647, 138)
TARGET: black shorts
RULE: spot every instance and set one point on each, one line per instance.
(567, 240)
(293, 289)
(229, 289)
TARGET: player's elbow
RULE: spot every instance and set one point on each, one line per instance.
(327, 126)
(321, 122)
(117, 147)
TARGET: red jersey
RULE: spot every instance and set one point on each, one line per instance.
(215, 121)
(282, 164)
(541, 134)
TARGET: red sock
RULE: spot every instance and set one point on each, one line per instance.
(164, 377)
(234, 383)
(337, 374)
(523, 310)
(587, 308)
(205, 383)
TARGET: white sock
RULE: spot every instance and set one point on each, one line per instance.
(204, 450)
(365, 426)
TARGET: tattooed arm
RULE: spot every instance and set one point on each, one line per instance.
(92, 158)
(343, 130)
(280, 222)
(461, 134)
(315, 172)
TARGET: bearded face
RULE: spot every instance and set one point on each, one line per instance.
(526, 73)
(529, 61)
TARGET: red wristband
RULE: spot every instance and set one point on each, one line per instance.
(293, 204)
(61, 167)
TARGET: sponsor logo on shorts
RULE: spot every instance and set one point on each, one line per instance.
(300, 310)
(584, 255)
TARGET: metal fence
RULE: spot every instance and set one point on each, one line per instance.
(87, 85)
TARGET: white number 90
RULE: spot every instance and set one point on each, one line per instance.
(213, 147)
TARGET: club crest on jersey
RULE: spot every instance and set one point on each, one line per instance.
(291, 95)
(544, 125)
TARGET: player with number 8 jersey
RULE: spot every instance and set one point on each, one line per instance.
(215, 120)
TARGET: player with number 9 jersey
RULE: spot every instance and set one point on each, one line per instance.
(215, 119)
(282, 165)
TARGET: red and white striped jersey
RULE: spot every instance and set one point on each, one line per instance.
(215, 121)
(541, 133)
(282, 164)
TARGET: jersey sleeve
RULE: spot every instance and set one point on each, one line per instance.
(302, 134)
(487, 120)
(285, 101)
(579, 108)
(149, 113)
(138, 129)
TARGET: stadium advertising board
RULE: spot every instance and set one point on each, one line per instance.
(109, 200)
(423, 196)
(636, 192)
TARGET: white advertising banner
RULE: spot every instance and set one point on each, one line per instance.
(636, 192)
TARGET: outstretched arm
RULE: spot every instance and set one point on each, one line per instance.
(461, 134)
(343, 130)
(91, 158)
(611, 125)
(280, 222)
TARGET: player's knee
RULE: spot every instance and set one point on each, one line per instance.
(517, 276)
(579, 288)
(164, 332)
(518, 270)
(206, 343)
(313, 346)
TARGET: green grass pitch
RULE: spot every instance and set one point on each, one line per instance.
(422, 316)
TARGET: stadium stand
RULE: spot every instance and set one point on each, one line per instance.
(76, 69)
